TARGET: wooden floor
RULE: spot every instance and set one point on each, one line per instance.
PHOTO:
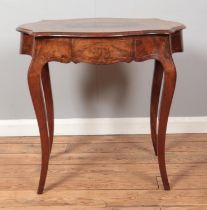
(104, 172)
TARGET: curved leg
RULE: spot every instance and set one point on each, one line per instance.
(167, 95)
(34, 81)
(46, 83)
(155, 96)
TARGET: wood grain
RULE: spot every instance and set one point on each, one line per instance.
(102, 51)
(182, 138)
(125, 147)
(81, 208)
(105, 198)
(88, 181)
(185, 208)
(101, 158)
(182, 169)
(187, 182)
(28, 148)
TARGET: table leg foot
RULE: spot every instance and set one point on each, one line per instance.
(166, 100)
(155, 97)
(37, 95)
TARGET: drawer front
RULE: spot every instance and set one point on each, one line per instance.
(102, 51)
(151, 47)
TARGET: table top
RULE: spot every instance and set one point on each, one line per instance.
(100, 27)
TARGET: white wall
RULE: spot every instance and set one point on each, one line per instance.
(121, 90)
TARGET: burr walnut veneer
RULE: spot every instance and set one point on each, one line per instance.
(102, 41)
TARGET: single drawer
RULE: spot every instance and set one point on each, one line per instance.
(102, 51)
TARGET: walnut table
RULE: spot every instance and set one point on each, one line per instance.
(102, 41)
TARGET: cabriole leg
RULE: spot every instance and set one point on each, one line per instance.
(36, 91)
(166, 100)
(155, 97)
(46, 83)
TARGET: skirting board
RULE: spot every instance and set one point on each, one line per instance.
(103, 126)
